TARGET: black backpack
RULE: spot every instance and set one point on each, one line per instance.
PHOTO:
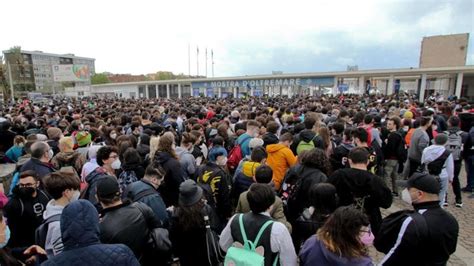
(435, 167)
(42, 231)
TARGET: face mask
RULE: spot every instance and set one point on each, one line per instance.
(367, 238)
(76, 195)
(26, 192)
(116, 164)
(7, 237)
(21, 145)
(113, 135)
(50, 154)
(222, 162)
(81, 127)
(406, 196)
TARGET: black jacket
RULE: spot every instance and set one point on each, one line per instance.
(431, 249)
(169, 190)
(390, 149)
(306, 226)
(269, 138)
(41, 169)
(306, 135)
(339, 157)
(354, 183)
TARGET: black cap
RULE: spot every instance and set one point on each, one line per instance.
(107, 187)
(422, 181)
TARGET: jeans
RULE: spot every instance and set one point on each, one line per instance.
(456, 184)
(443, 191)
(391, 173)
(470, 171)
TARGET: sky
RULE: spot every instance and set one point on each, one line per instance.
(248, 37)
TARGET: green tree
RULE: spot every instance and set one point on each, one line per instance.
(100, 78)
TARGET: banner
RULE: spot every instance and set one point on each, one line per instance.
(253, 83)
(71, 73)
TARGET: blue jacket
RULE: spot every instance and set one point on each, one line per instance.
(41, 169)
(80, 234)
(154, 201)
(244, 141)
(14, 153)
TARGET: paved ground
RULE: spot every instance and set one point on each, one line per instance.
(464, 254)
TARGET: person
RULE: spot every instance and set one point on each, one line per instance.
(360, 139)
(413, 245)
(187, 230)
(16, 151)
(167, 158)
(80, 236)
(341, 152)
(6, 135)
(244, 174)
(419, 141)
(216, 181)
(391, 152)
(280, 158)
(67, 156)
(362, 189)
(275, 240)
(54, 135)
(438, 154)
(143, 146)
(125, 222)
(323, 202)
(185, 157)
(64, 189)
(146, 191)
(91, 164)
(83, 140)
(342, 240)
(41, 154)
(263, 175)
(270, 137)
(132, 167)
(253, 128)
(456, 138)
(307, 135)
(468, 155)
(25, 210)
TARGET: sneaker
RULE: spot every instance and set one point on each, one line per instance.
(445, 204)
(459, 204)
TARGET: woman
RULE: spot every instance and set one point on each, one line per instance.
(166, 156)
(342, 240)
(327, 142)
(132, 163)
(323, 201)
(186, 159)
(188, 231)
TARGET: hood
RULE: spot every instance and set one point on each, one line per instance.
(66, 156)
(433, 152)
(275, 147)
(180, 151)
(79, 225)
(270, 138)
(162, 157)
(99, 171)
(248, 168)
(307, 135)
(335, 259)
(52, 209)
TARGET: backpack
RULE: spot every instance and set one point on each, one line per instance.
(305, 145)
(435, 167)
(454, 144)
(247, 255)
(391, 225)
(126, 178)
(236, 155)
(42, 231)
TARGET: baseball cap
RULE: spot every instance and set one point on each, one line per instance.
(107, 186)
(422, 181)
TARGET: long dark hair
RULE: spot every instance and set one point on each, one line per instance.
(323, 199)
(340, 233)
(190, 217)
(316, 158)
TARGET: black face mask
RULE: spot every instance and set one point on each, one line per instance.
(26, 192)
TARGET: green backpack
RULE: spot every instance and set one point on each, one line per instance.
(305, 146)
(247, 256)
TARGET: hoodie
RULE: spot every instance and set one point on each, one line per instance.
(307, 135)
(314, 252)
(432, 153)
(187, 161)
(54, 243)
(269, 138)
(280, 159)
(169, 190)
(71, 158)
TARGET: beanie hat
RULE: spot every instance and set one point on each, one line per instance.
(54, 133)
(408, 115)
(216, 152)
(83, 138)
(189, 193)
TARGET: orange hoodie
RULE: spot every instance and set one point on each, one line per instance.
(280, 158)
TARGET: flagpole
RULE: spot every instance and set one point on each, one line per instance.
(197, 60)
(206, 63)
(189, 60)
(212, 62)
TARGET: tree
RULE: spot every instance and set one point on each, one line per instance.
(100, 78)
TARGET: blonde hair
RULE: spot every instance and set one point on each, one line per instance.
(67, 143)
(154, 141)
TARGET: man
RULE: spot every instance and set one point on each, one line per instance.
(428, 243)
(393, 145)
(80, 235)
(308, 136)
(468, 155)
(439, 162)
(360, 139)
(456, 138)
(64, 189)
(270, 137)
(339, 158)
(125, 222)
(357, 186)
(67, 156)
(373, 133)
(419, 141)
(263, 175)
(253, 129)
(146, 191)
(41, 154)
(275, 240)
(25, 210)
(280, 158)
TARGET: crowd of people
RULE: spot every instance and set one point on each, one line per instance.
(207, 181)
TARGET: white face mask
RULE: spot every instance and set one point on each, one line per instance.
(50, 154)
(406, 196)
(116, 164)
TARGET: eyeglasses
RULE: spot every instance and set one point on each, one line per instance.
(113, 156)
(26, 185)
(368, 230)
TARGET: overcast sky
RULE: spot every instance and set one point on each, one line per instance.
(248, 36)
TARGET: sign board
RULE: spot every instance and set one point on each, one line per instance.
(285, 82)
(71, 73)
(343, 88)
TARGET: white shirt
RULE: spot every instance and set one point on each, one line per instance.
(280, 241)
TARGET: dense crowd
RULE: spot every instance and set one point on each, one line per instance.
(207, 181)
